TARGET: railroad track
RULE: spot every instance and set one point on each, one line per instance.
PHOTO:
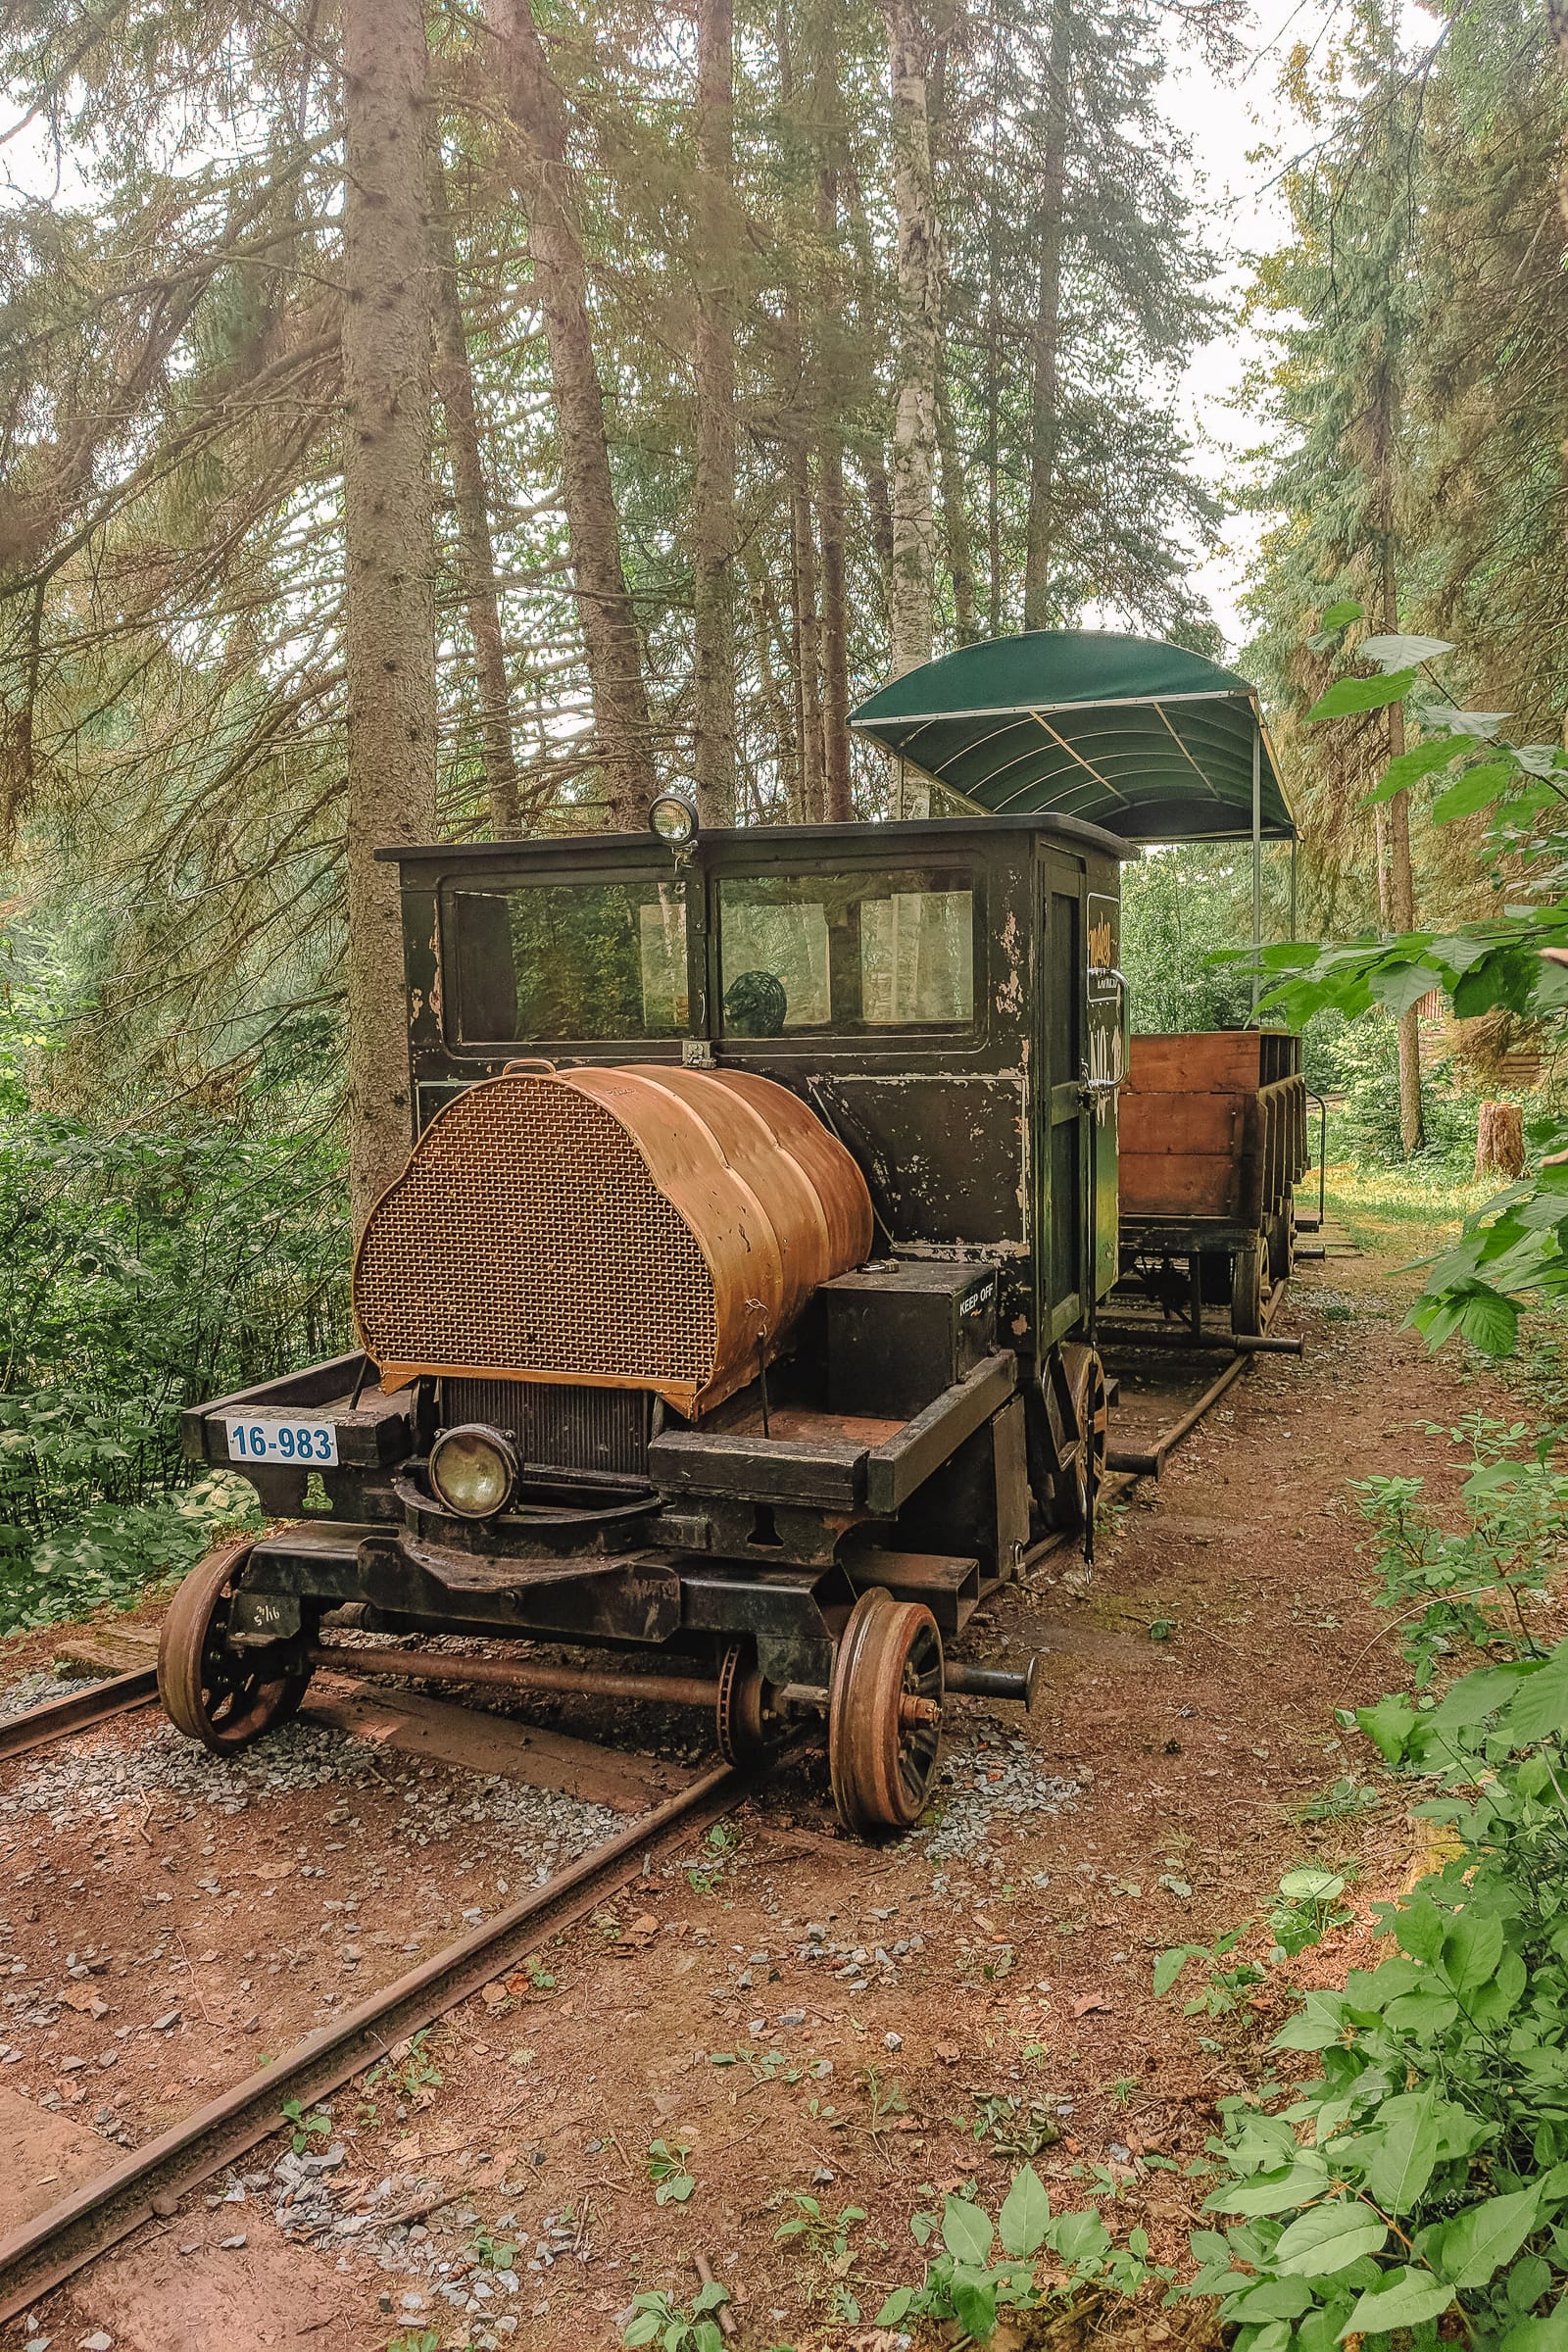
(40, 1726)
(151, 2182)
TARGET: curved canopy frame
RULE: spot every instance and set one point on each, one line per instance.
(1152, 742)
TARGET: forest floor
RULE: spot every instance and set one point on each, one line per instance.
(791, 2013)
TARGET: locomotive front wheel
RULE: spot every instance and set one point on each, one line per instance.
(1250, 1287)
(884, 1718)
(221, 1696)
(747, 1728)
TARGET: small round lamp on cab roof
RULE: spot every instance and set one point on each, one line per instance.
(671, 816)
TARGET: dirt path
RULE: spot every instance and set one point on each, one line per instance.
(798, 2015)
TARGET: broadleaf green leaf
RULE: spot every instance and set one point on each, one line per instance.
(1402, 2299)
(1347, 695)
(1329, 2237)
(1025, 2214)
(966, 2231)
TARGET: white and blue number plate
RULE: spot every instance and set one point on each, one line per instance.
(281, 1438)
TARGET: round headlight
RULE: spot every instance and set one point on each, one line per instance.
(474, 1471)
(673, 818)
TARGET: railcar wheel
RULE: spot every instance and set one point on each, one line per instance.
(223, 1697)
(884, 1719)
(747, 1728)
(1282, 1243)
(1250, 1287)
(1076, 1486)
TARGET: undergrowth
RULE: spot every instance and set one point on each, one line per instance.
(1414, 2188)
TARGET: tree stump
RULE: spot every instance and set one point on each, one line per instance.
(1500, 1140)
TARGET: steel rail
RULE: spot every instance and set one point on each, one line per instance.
(1137, 1462)
(36, 1726)
(56, 2244)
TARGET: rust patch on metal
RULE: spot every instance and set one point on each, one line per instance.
(641, 1227)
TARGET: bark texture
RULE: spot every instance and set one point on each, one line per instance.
(1046, 395)
(389, 555)
(713, 510)
(1500, 1140)
(911, 486)
(540, 159)
(1402, 888)
(471, 491)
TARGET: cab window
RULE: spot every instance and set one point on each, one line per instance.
(846, 953)
(549, 961)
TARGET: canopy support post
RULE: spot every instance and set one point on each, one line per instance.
(1258, 853)
(1293, 886)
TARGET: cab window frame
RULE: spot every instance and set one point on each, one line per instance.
(937, 868)
(649, 1044)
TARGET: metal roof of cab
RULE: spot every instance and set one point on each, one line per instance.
(1142, 738)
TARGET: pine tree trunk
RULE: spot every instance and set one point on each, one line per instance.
(994, 598)
(807, 631)
(1044, 418)
(389, 555)
(1401, 890)
(768, 631)
(956, 523)
(839, 807)
(476, 549)
(542, 165)
(910, 589)
(714, 510)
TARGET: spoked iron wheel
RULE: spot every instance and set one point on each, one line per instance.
(747, 1728)
(883, 1720)
(1250, 1287)
(1282, 1243)
(221, 1696)
(1076, 1486)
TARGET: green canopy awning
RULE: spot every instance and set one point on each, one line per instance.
(1148, 741)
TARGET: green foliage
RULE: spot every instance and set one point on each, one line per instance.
(1227, 1985)
(825, 2237)
(1473, 1587)
(1424, 2170)
(1176, 904)
(965, 2285)
(1514, 1247)
(657, 2318)
(1014, 2127)
(306, 2126)
(669, 2172)
(142, 1269)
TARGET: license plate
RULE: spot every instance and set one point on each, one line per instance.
(281, 1438)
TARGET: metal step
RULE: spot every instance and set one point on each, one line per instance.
(948, 1586)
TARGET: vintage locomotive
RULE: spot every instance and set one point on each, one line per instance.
(735, 1307)
(747, 1325)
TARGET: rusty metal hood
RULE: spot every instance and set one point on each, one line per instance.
(644, 1227)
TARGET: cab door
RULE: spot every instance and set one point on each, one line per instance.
(1081, 1042)
(1061, 1031)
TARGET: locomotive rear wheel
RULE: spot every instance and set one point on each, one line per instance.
(1077, 1486)
(884, 1719)
(223, 1697)
(748, 1730)
(1250, 1287)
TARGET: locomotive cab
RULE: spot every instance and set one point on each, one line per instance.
(735, 1306)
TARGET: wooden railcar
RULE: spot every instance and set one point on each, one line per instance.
(1213, 1142)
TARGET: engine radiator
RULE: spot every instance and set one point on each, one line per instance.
(651, 1228)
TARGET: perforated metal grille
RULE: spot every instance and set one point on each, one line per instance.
(562, 1427)
(527, 1234)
